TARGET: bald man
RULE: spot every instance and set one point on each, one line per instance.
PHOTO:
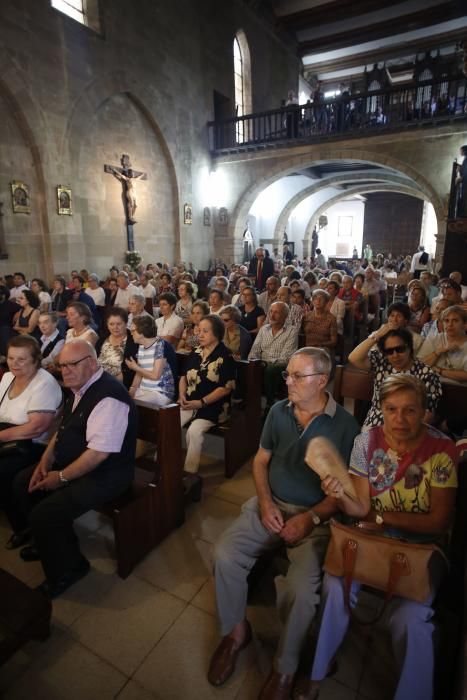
(88, 462)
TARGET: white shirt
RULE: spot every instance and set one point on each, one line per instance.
(122, 297)
(170, 326)
(97, 294)
(148, 291)
(42, 395)
(45, 340)
(16, 291)
(45, 300)
(416, 264)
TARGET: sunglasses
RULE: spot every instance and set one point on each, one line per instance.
(397, 348)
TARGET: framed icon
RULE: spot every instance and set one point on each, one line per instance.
(187, 214)
(64, 200)
(20, 197)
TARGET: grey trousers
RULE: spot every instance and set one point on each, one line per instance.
(298, 593)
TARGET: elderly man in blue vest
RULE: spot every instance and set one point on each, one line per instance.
(88, 461)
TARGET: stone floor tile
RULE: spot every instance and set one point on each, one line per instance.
(177, 667)
(88, 594)
(210, 518)
(351, 657)
(205, 599)
(180, 565)
(133, 691)
(59, 669)
(238, 489)
(128, 623)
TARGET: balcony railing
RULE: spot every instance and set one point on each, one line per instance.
(426, 103)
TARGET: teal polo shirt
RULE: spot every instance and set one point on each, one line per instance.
(290, 478)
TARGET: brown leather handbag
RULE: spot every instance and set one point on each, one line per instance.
(396, 567)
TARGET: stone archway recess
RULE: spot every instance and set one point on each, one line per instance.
(292, 163)
(352, 192)
(89, 101)
(330, 182)
(25, 111)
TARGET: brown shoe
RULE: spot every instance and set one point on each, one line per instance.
(224, 659)
(306, 689)
(277, 687)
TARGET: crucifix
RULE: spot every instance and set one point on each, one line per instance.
(127, 175)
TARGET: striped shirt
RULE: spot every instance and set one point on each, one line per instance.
(146, 359)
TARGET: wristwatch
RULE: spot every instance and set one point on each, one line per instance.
(379, 519)
(315, 517)
(62, 479)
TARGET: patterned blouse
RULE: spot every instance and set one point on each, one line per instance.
(111, 357)
(204, 376)
(319, 329)
(382, 368)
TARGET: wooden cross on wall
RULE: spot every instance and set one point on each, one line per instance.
(127, 176)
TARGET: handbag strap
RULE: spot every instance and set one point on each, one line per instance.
(398, 567)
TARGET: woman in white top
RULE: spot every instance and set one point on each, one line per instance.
(29, 401)
(336, 306)
(446, 352)
(39, 288)
(169, 325)
(95, 290)
(78, 316)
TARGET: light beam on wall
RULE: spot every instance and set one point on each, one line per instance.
(217, 189)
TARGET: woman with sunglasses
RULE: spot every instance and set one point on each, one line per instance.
(393, 354)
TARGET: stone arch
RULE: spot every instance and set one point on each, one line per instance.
(246, 67)
(93, 96)
(413, 192)
(282, 167)
(26, 111)
(322, 184)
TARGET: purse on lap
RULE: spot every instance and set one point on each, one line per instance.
(394, 566)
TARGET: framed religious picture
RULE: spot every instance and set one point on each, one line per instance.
(20, 197)
(64, 200)
(207, 216)
(187, 214)
(223, 216)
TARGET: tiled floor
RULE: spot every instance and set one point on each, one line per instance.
(151, 636)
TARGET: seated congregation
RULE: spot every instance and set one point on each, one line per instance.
(81, 357)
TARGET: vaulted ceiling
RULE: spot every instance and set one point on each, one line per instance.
(337, 39)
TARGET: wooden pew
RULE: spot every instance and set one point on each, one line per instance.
(356, 384)
(153, 505)
(242, 431)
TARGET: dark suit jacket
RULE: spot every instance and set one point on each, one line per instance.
(268, 271)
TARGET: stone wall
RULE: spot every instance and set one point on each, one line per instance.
(72, 100)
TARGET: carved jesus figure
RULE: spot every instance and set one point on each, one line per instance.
(127, 178)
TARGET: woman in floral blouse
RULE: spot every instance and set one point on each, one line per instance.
(204, 393)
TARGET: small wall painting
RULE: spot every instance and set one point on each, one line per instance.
(223, 216)
(207, 216)
(187, 214)
(20, 197)
(64, 200)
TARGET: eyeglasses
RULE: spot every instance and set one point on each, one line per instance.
(295, 377)
(65, 365)
(397, 348)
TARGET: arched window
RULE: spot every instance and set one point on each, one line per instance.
(83, 11)
(242, 78)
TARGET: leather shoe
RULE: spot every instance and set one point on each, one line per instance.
(30, 553)
(224, 659)
(278, 686)
(18, 539)
(306, 689)
(53, 590)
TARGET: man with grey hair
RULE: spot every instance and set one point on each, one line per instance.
(275, 342)
(125, 290)
(268, 297)
(289, 509)
(136, 308)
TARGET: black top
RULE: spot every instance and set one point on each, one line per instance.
(249, 318)
(203, 377)
(61, 300)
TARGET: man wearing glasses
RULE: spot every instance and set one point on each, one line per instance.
(88, 462)
(289, 510)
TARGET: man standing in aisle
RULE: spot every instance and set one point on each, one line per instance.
(261, 267)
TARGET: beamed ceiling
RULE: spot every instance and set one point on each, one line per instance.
(338, 39)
